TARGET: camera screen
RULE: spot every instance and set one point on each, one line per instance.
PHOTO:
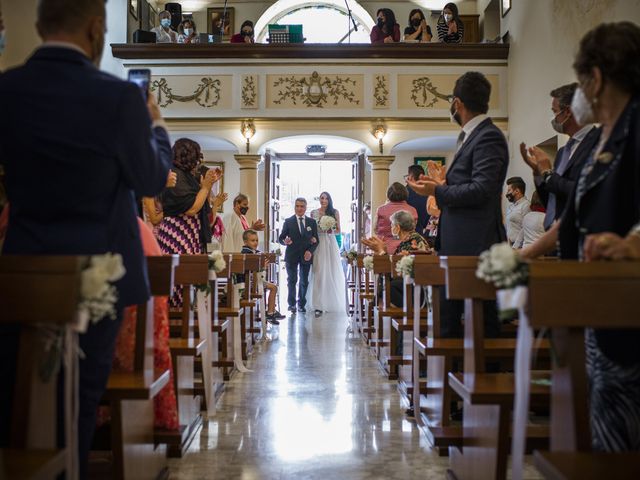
(140, 78)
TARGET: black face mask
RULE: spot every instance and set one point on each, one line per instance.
(247, 34)
(244, 210)
(510, 197)
(380, 23)
(416, 22)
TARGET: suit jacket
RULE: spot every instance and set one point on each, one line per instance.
(301, 243)
(470, 202)
(562, 185)
(77, 146)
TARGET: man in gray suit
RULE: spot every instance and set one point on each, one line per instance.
(470, 198)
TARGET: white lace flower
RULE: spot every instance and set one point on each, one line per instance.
(503, 257)
(216, 261)
(404, 266)
(367, 262)
(98, 296)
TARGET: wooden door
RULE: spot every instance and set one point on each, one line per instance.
(357, 193)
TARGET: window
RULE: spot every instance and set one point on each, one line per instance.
(322, 22)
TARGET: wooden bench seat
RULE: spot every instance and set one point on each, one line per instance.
(186, 346)
(135, 385)
(494, 347)
(494, 388)
(31, 464)
(588, 465)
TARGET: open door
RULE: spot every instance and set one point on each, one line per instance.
(357, 193)
(272, 204)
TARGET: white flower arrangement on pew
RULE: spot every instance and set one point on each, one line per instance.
(216, 265)
(404, 266)
(275, 248)
(350, 255)
(367, 262)
(98, 295)
(502, 266)
(327, 223)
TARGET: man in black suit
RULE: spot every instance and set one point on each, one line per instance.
(470, 198)
(78, 145)
(300, 235)
(555, 183)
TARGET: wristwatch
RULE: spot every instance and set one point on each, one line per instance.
(546, 174)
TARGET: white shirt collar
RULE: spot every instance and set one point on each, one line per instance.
(580, 134)
(472, 124)
(69, 45)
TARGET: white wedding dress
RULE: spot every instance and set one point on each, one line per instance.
(327, 290)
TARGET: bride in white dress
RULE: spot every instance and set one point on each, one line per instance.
(328, 292)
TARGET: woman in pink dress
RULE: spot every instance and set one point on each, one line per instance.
(397, 195)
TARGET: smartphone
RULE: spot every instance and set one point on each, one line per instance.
(141, 77)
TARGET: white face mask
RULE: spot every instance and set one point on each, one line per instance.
(581, 108)
(187, 32)
(447, 17)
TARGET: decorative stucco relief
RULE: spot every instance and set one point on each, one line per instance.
(433, 91)
(381, 91)
(249, 93)
(315, 90)
(208, 92)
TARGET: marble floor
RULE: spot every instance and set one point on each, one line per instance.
(316, 406)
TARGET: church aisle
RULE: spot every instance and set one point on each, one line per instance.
(315, 406)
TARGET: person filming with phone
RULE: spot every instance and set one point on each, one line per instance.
(100, 146)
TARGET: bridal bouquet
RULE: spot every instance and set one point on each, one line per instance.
(404, 266)
(367, 262)
(326, 223)
(98, 295)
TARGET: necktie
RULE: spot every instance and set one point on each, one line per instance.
(560, 168)
(301, 225)
(460, 140)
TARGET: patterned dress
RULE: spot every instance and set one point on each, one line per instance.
(179, 235)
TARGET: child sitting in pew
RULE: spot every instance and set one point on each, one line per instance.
(250, 239)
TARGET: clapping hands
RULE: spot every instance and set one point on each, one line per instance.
(172, 179)
(258, 225)
(376, 244)
(535, 157)
(287, 240)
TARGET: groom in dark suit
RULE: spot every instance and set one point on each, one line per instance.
(300, 235)
(470, 198)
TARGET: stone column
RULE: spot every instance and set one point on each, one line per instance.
(379, 179)
(249, 182)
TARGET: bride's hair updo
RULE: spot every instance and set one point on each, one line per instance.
(329, 210)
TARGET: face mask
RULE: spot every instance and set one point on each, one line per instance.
(188, 31)
(244, 210)
(380, 23)
(581, 108)
(396, 233)
(558, 126)
(510, 197)
(447, 17)
(416, 22)
(165, 22)
(454, 117)
(247, 34)
(2, 44)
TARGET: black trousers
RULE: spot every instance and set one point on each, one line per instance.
(292, 280)
(452, 311)
(98, 345)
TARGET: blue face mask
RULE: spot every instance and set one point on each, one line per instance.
(165, 22)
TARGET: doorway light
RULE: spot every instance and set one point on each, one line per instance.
(248, 130)
(316, 150)
(379, 131)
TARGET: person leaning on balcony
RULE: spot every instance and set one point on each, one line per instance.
(163, 32)
(450, 27)
(246, 33)
(386, 30)
(188, 32)
(418, 30)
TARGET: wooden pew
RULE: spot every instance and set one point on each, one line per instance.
(250, 302)
(38, 290)
(614, 306)
(488, 397)
(230, 311)
(365, 300)
(130, 395)
(186, 347)
(220, 324)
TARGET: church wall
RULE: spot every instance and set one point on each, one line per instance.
(544, 38)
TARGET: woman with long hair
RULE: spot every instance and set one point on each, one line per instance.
(450, 27)
(418, 29)
(387, 29)
(327, 277)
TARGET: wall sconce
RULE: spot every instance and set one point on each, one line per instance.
(248, 130)
(379, 132)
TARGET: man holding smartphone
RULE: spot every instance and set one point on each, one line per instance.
(78, 146)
